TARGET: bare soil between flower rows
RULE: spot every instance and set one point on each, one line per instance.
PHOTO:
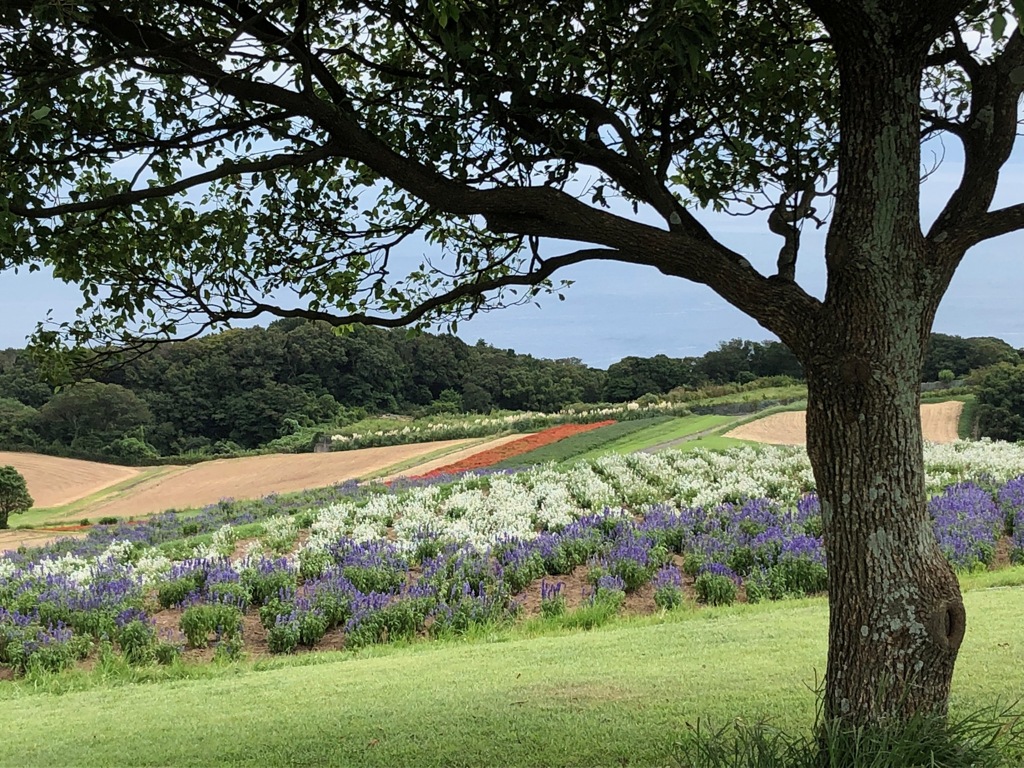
(939, 423)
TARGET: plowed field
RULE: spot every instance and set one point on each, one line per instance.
(53, 481)
(938, 422)
(255, 476)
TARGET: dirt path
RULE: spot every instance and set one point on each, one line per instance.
(938, 422)
(686, 438)
(54, 481)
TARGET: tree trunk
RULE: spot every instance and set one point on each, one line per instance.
(896, 617)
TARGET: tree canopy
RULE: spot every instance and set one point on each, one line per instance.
(14, 495)
(192, 163)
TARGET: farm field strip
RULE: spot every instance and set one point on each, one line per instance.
(134, 492)
(496, 456)
(54, 481)
(658, 434)
(939, 424)
(550, 700)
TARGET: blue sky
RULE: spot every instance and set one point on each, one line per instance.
(615, 310)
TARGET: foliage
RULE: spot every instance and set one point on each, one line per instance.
(199, 622)
(715, 588)
(999, 392)
(386, 586)
(14, 495)
(961, 356)
(986, 737)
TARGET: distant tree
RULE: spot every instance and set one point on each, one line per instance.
(724, 364)
(14, 495)
(633, 377)
(449, 401)
(963, 355)
(91, 415)
(773, 358)
(21, 379)
(475, 398)
(15, 424)
(1000, 394)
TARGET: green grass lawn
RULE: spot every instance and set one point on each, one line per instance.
(622, 694)
(593, 441)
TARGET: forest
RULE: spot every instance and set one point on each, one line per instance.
(242, 388)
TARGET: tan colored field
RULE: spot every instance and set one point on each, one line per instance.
(54, 481)
(252, 477)
(938, 423)
(12, 539)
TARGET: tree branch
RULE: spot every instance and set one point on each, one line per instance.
(227, 168)
(687, 252)
(988, 137)
(993, 224)
(478, 287)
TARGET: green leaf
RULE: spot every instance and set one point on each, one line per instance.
(998, 26)
(39, 114)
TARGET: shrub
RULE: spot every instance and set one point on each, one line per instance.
(552, 601)
(378, 578)
(520, 567)
(176, 591)
(692, 563)
(266, 580)
(200, 621)
(668, 584)
(229, 648)
(715, 589)
(137, 639)
(166, 652)
(399, 620)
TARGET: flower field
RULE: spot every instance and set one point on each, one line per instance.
(355, 565)
(468, 426)
(523, 445)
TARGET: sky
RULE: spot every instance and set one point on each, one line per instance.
(615, 310)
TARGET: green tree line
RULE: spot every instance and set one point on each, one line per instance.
(242, 388)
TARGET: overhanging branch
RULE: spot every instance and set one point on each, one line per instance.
(225, 169)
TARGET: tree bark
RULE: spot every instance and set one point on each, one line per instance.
(896, 617)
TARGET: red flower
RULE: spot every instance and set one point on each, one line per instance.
(512, 448)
